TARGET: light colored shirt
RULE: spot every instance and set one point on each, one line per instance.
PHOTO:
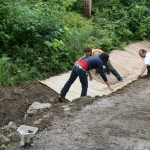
(147, 59)
(95, 52)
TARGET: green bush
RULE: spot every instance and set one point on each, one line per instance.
(45, 37)
(126, 21)
(112, 28)
(37, 36)
(32, 33)
(81, 29)
(5, 69)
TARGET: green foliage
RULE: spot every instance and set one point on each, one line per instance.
(63, 4)
(44, 37)
(32, 35)
(30, 23)
(126, 21)
(3, 146)
(11, 74)
(81, 30)
(77, 6)
(117, 22)
(16, 92)
(5, 68)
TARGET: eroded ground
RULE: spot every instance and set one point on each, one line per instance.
(120, 121)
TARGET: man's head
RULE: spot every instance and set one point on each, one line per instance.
(88, 51)
(142, 53)
(104, 56)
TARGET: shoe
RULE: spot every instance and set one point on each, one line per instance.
(120, 79)
(107, 72)
(60, 99)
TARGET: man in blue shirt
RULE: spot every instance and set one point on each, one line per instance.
(81, 68)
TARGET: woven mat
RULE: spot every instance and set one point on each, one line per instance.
(127, 62)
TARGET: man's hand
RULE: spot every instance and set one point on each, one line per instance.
(139, 76)
(110, 88)
(90, 78)
(143, 70)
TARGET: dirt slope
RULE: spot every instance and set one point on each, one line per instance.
(120, 121)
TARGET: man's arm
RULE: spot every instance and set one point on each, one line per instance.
(102, 74)
(79, 59)
(83, 57)
(143, 70)
(90, 76)
(96, 54)
(110, 88)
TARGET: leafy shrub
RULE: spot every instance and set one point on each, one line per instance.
(81, 29)
(33, 34)
(77, 6)
(5, 69)
(42, 38)
(126, 21)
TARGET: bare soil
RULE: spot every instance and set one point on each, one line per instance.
(15, 101)
(120, 121)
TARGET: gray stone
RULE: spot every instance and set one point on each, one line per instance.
(12, 125)
(37, 106)
(38, 121)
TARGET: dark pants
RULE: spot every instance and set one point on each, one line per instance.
(110, 68)
(76, 71)
(148, 69)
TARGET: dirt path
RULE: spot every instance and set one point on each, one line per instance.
(120, 121)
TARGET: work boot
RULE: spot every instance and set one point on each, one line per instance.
(120, 79)
(106, 71)
(60, 99)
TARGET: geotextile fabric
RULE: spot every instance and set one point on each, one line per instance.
(127, 62)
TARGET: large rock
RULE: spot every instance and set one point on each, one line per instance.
(12, 125)
(37, 106)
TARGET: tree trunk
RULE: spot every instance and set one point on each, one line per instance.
(87, 8)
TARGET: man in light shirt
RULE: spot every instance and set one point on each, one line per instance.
(109, 68)
(144, 54)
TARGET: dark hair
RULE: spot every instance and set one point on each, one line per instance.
(104, 56)
(87, 49)
(143, 50)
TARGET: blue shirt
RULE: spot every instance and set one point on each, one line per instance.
(96, 62)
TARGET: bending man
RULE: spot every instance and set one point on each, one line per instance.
(144, 54)
(81, 68)
(108, 65)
